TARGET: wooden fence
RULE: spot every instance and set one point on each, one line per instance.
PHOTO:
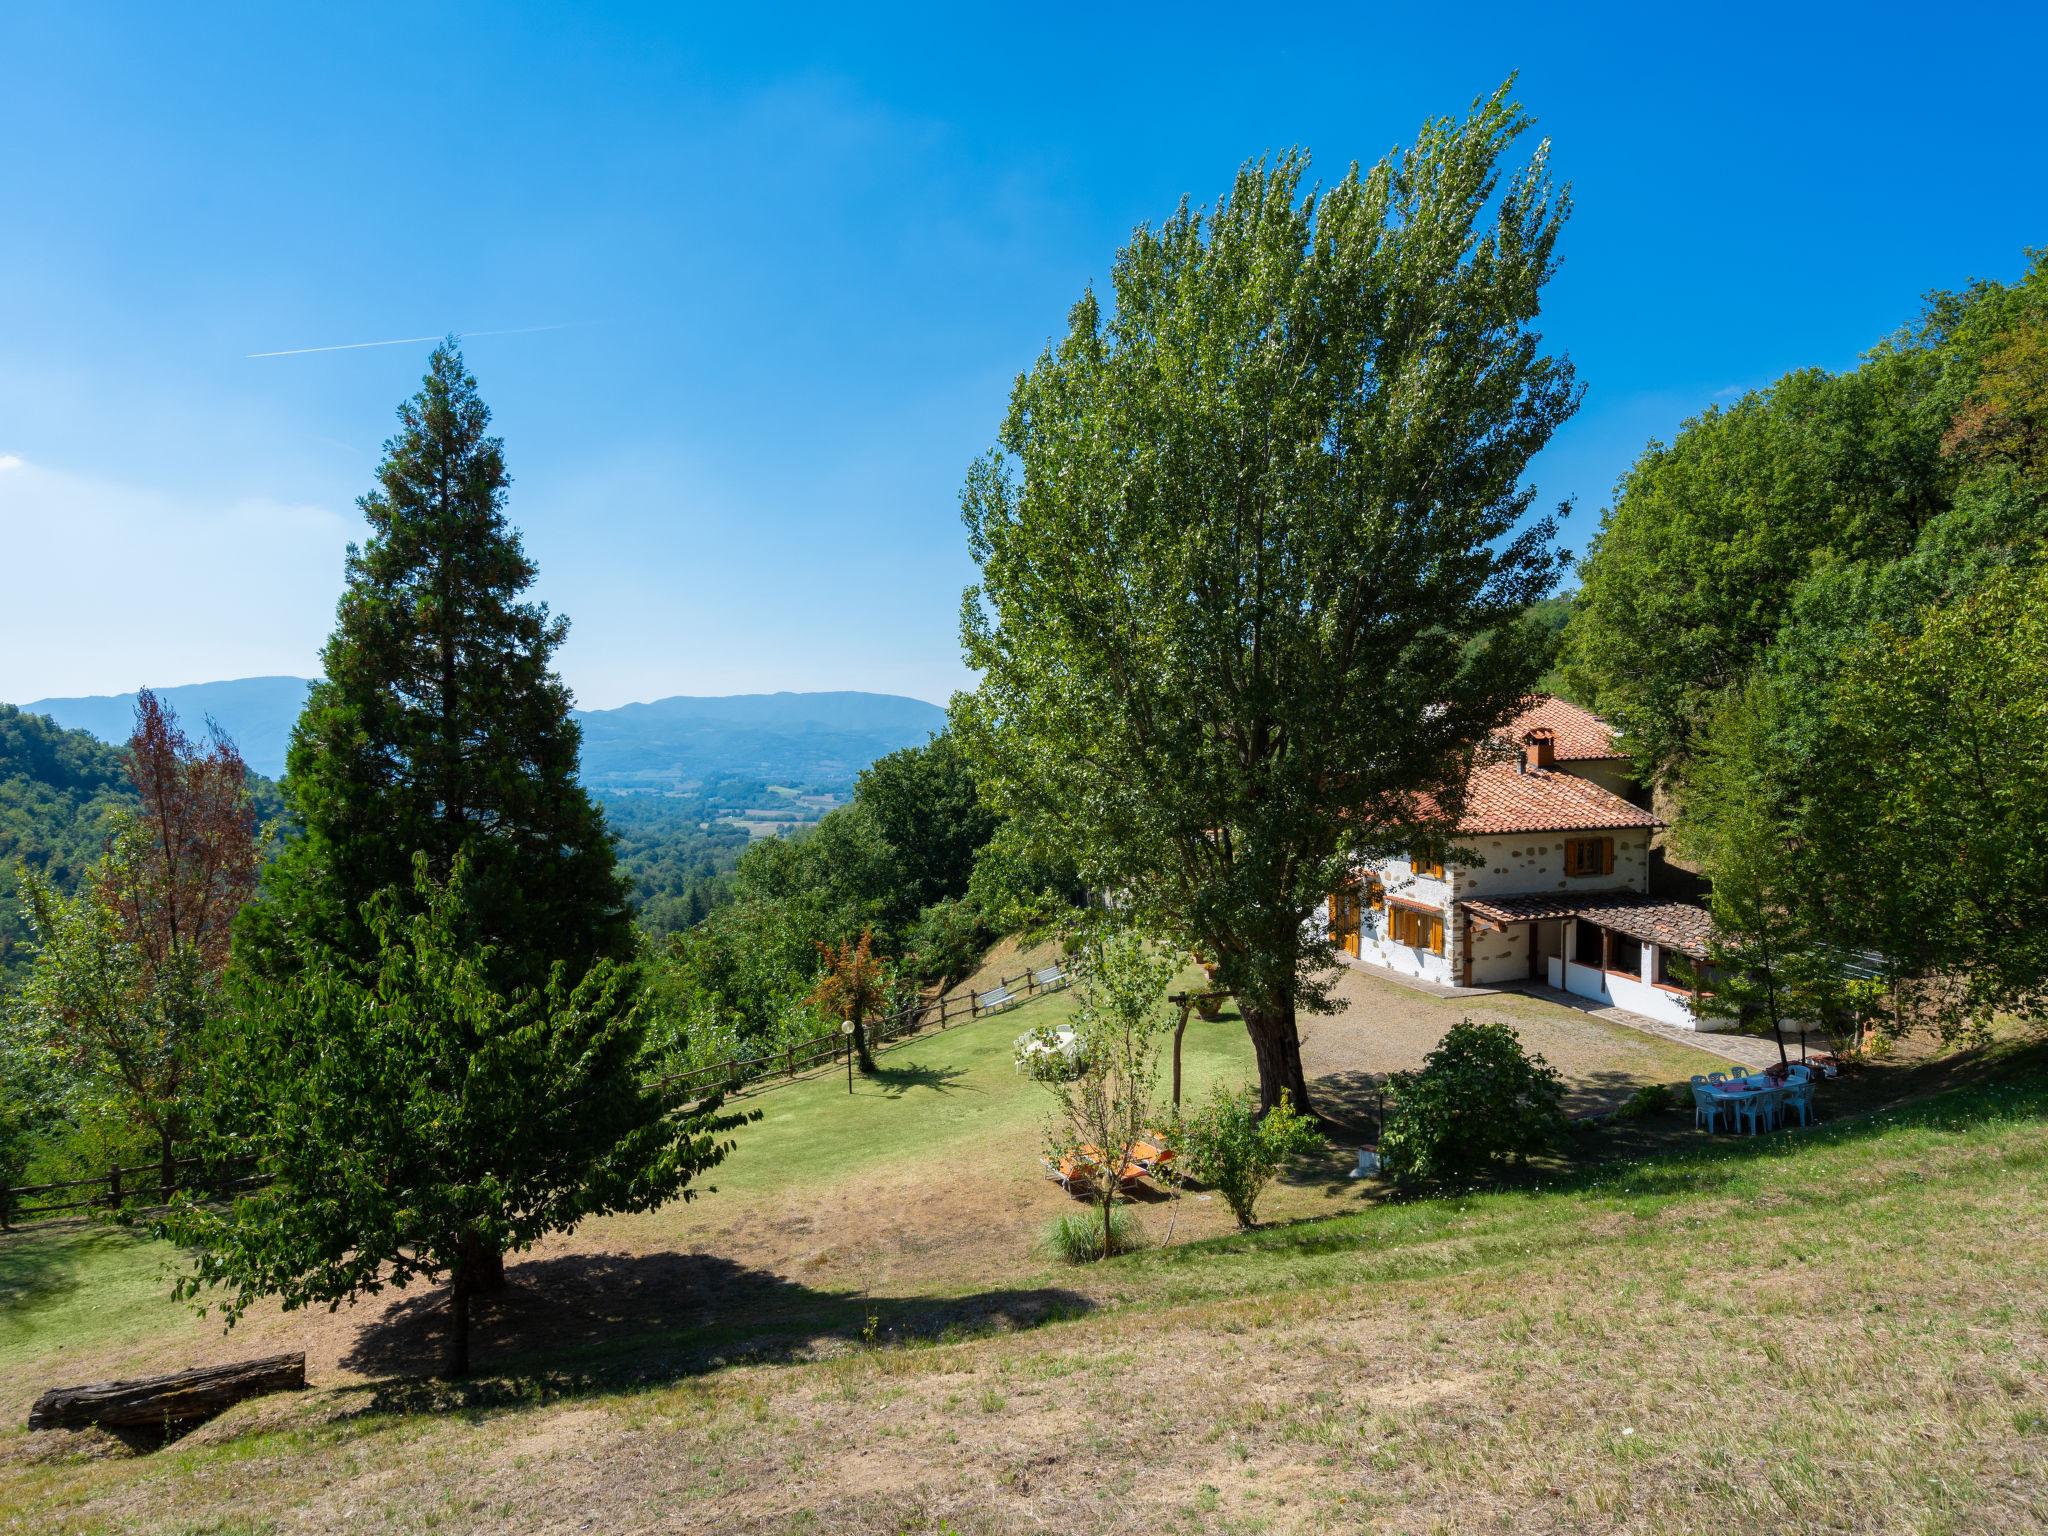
(737, 1073)
(143, 1187)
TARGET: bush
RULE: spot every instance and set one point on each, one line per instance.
(1653, 1099)
(1076, 1238)
(948, 940)
(1479, 1103)
(1231, 1149)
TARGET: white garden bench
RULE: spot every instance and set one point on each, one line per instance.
(995, 1000)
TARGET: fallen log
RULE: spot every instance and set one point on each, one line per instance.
(183, 1397)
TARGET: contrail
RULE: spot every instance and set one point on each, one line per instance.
(407, 341)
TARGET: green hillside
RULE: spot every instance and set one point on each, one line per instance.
(57, 790)
(1831, 1330)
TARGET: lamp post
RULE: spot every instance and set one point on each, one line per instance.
(846, 1029)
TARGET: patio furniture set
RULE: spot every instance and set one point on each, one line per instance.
(1076, 1171)
(1755, 1103)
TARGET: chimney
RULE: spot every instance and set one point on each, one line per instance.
(1539, 750)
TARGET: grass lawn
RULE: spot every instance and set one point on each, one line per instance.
(1837, 1330)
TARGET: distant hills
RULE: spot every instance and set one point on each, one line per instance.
(256, 712)
(806, 740)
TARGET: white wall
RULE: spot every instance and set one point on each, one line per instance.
(1500, 956)
(1638, 994)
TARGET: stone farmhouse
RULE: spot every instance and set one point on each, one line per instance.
(1547, 881)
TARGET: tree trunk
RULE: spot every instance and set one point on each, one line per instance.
(1108, 1201)
(1278, 1049)
(166, 1166)
(184, 1397)
(482, 1265)
(458, 1327)
(860, 1047)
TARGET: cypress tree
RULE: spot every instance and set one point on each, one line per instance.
(439, 727)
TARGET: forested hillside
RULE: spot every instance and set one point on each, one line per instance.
(58, 791)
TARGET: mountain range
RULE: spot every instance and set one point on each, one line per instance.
(808, 740)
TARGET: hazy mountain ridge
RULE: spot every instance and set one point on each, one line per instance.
(805, 739)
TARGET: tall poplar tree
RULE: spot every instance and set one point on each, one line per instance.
(1253, 547)
(440, 728)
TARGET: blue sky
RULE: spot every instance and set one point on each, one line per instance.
(796, 259)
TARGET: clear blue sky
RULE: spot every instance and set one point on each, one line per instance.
(799, 257)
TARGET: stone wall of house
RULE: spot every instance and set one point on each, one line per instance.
(1526, 863)
(1499, 956)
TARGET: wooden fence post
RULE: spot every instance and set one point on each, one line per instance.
(114, 1186)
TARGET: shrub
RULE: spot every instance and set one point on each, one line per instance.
(1230, 1148)
(1076, 1237)
(948, 940)
(1479, 1103)
(1652, 1099)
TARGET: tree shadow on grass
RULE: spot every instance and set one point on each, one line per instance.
(895, 1082)
(588, 1322)
(42, 1264)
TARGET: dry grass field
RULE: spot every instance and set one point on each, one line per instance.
(1838, 1330)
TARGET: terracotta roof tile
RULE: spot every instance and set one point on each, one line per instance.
(1676, 925)
(1501, 797)
(1582, 736)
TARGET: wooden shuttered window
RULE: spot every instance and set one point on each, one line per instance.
(1416, 928)
(1421, 864)
(1589, 856)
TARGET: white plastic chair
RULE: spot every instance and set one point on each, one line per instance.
(1759, 1107)
(1708, 1106)
(1798, 1095)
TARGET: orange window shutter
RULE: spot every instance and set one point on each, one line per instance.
(1606, 855)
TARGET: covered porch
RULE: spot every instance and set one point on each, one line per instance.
(1623, 949)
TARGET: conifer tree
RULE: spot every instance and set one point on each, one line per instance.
(435, 766)
(440, 728)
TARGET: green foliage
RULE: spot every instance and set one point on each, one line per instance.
(677, 857)
(1478, 1104)
(59, 791)
(1075, 1238)
(1252, 541)
(439, 727)
(948, 940)
(417, 1121)
(1648, 1101)
(1933, 768)
(1796, 518)
(1024, 884)
(1235, 1150)
(1104, 1072)
(926, 808)
(895, 862)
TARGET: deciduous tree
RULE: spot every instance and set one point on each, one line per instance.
(1254, 540)
(854, 987)
(128, 971)
(1106, 1075)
